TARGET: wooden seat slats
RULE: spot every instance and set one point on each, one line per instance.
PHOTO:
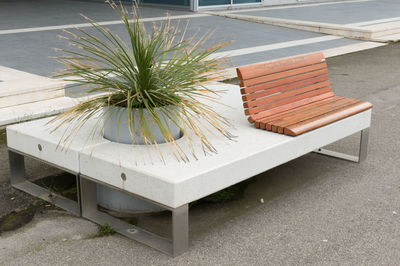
(292, 96)
(322, 120)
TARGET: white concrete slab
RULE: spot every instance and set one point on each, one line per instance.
(17, 87)
(37, 138)
(25, 112)
(355, 32)
(374, 30)
(176, 183)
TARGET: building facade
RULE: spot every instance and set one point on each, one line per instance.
(198, 5)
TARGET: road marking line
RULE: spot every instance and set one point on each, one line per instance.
(351, 48)
(275, 46)
(85, 25)
(341, 50)
(373, 22)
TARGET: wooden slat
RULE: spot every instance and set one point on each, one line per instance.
(283, 74)
(256, 70)
(289, 106)
(263, 122)
(306, 107)
(283, 101)
(314, 110)
(252, 91)
(279, 125)
(322, 120)
(287, 91)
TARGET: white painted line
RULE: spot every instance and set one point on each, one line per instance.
(351, 48)
(341, 50)
(85, 25)
(295, 6)
(373, 22)
(275, 46)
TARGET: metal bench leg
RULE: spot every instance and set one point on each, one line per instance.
(180, 230)
(180, 223)
(362, 154)
(17, 167)
(19, 181)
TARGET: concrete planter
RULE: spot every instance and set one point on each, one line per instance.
(116, 129)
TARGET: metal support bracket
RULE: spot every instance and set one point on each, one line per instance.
(18, 180)
(362, 153)
(180, 222)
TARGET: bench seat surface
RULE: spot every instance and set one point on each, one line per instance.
(176, 183)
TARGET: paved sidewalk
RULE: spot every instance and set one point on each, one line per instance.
(316, 210)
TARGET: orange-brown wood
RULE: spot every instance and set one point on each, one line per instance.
(289, 106)
(263, 122)
(281, 75)
(296, 116)
(327, 118)
(293, 95)
(279, 125)
(256, 70)
(288, 100)
(306, 107)
(255, 92)
(294, 91)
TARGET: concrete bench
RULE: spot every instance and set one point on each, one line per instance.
(172, 185)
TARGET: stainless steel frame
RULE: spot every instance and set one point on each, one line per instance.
(180, 222)
(19, 181)
(362, 153)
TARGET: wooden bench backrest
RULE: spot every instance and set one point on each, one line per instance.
(273, 87)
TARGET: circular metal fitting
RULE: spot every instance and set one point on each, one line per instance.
(123, 176)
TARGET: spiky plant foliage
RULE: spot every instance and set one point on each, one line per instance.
(158, 67)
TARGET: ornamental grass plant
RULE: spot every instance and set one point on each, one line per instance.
(158, 67)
